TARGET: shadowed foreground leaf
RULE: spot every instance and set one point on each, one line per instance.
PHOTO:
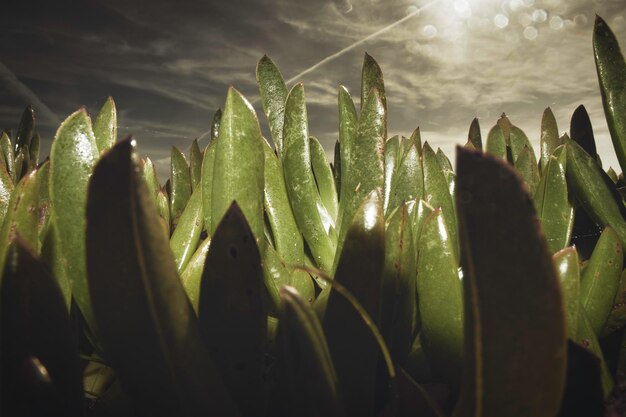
(352, 346)
(308, 374)
(515, 348)
(148, 328)
(39, 369)
(232, 310)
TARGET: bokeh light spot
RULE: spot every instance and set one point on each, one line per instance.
(429, 31)
(556, 22)
(501, 21)
(540, 15)
(531, 33)
(525, 19)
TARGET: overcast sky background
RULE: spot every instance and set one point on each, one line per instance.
(168, 64)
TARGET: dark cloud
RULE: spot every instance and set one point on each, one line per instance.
(168, 64)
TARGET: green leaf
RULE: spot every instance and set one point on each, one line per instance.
(25, 129)
(35, 144)
(353, 349)
(611, 70)
(421, 213)
(20, 164)
(399, 294)
(192, 274)
(72, 158)
(336, 168)
(601, 279)
(208, 163)
(416, 138)
(372, 78)
(195, 165)
(517, 142)
(105, 126)
(474, 137)
(6, 148)
(581, 131)
(181, 185)
(392, 150)
(586, 179)
(35, 328)
(287, 238)
(300, 183)
(552, 202)
(527, 168)
(239, 140)
(617, 317)
(366, 171)
(549, 140)
(440, 299)
(186, 236)
(273, 96)
(407, 182)
(515, 344)
(496, 144)
(215, 124)
(6, 189)
(151, 179)
(147, 325)
(348, 124)
(587, 337)
(437, 194)
(51, 256)
(163, 208)
(232, 310)
(307, 377)
(568, 272)
(323, 177)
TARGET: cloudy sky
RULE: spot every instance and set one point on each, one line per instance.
(168, 64)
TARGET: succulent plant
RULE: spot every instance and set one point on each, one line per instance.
(386, 283)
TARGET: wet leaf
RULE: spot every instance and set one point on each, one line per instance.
(323, 177)
(601, 279)
(553, 205)
(73, 155)
(25, 129)
(407, 183)
(180, 185)
(399, 295)
(195, 164)
(611, 70)
(215, 124)
(566, 264)
(186, 236)
(437, 195)
(239, 140)
(300, 182)
(366, 171)
(372, 78)
(273, 96)
(105, 126)
(586, 179)
(496, 144)
(549, 140)
(441, 299)
(192, 274)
